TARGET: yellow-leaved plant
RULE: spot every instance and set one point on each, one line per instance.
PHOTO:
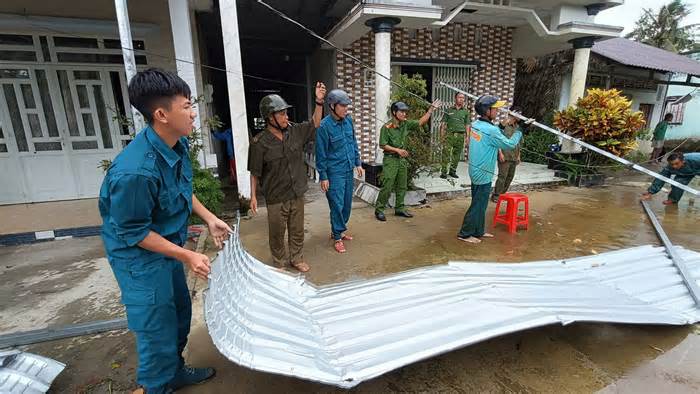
(603, 118)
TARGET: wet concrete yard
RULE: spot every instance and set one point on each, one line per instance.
(50, 284)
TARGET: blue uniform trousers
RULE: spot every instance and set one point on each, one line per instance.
(339, 197)
(158, 310)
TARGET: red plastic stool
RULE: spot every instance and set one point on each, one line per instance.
(512, 218)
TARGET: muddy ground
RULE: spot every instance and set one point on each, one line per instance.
(69, 281)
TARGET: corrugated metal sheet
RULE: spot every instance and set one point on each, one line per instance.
(27, 373)
(343, 334)
(636, 54)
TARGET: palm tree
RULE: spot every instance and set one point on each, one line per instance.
(662, 29)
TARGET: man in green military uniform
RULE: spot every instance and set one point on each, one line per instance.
(508, 160)
(393, 140)
(657, 140)
(455, 122)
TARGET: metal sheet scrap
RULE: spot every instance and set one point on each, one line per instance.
(268, 320)
(27, 373)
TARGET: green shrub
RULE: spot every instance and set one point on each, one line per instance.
(536, 142)
(205, 186)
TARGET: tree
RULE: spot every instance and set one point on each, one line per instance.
(663, 29)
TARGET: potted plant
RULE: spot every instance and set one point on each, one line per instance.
(577, 174)
(603, 118)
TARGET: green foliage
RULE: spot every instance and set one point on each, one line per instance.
(637, 157)
(603, 118)
(424, 155)
(410, 86)
(205, 186)
(663, 29)
(537, 141)
(645, 134)
(104, 165)
(574, 167)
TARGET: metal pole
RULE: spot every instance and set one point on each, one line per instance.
(128, 54)
(52, 334)
(588, 146)
(688, 279)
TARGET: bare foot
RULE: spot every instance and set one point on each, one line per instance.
(669, 202)
(471, 240)
(301, 266)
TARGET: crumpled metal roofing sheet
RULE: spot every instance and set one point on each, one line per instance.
(27, 373)
(342, 334)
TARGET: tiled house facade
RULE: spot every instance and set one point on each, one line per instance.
(489, 46)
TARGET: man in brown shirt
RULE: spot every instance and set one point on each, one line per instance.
(276, 160)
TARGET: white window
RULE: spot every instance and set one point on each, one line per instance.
(676, 109)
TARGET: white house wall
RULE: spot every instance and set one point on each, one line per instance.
(158, 41)
(690, 128)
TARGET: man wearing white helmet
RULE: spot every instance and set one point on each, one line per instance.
(337, 156)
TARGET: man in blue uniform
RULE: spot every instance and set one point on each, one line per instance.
(336, 158)
(145, 202)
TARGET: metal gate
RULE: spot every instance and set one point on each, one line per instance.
(454, 75)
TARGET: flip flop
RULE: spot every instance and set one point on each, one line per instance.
(339, 246)
(487, 235)
(470, 240)
(344, 237)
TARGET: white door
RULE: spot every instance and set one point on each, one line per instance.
(91, 131)
(57, 127)
(38, 151)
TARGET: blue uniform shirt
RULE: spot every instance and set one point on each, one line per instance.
(485, 141)
(147, 188)
(336, 147)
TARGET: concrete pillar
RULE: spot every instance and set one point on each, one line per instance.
(127, 45)
(382, 63)
(180, 22)
(579, 73)
(236, 93)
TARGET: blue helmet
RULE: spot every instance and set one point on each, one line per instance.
(484, 103)
(399, 106)
(337, 96)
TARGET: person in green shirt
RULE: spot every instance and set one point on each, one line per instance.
(393, 140)
(455, 123)
(683, 167)
(657, 141)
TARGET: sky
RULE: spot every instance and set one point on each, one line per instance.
(627, 14)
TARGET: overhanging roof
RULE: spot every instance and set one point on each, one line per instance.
(636, 54)
(353, 25)
(532, 37)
